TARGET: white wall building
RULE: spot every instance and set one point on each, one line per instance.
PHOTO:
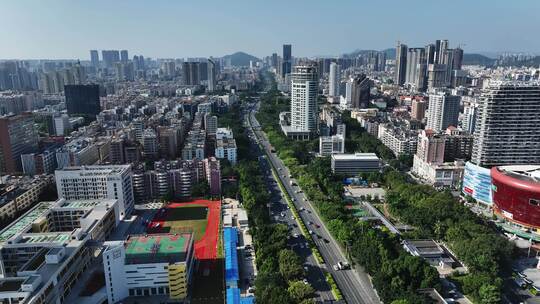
(443, 111)
(226, 148)
(304, 92)
(329, 145)
(334, 78)
(97, 182)
(148, 265)
(353, 164)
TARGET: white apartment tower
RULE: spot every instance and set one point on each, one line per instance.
(507, 121)
(333, 79)
(304, 90)
(443, 111)
(97, 182)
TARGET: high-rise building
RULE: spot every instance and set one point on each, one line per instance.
(430, 147)
(458, 59)
(213, 175)
(211, 70)
(18, 136)
(150, 144)
(443, 111)
(506, 129)
(458, 144)
(79, 74)
(169, 68)
(430, 54)
(415, 58)
(274, 60)
(304, 91)
(469, 117)
(401, 63)
(442, 46)
(287, 60)
(190, 72)
(418, 109)
(334, 78)
(210, 124)
(359, 89)
(437, 54)
(110, 57)
(94, 58)
(437, 76)
(168, 141)
(381, 62)
(203, 70)
(83, 99)
(97, 182)
(124, 57)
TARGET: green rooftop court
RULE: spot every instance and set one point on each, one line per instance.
(158, 248)
(25, 221)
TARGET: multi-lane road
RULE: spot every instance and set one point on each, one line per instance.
(354, 284)
(280, 213)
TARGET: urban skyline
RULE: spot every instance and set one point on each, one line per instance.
(139, 169)
(179, 33)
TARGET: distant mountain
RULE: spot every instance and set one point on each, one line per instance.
(477, 59)
(390, 53)
(241, 59)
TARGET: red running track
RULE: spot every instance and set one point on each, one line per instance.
(206, 247)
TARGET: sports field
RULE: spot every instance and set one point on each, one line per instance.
(200, 217)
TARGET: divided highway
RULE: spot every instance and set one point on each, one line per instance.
(353, 283)
(280, 213)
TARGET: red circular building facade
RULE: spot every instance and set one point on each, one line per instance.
(516, 196)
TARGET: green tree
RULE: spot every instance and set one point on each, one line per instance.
(299, 291)
(401, 301)
(489, 294)
(290, 265)
(201, 189)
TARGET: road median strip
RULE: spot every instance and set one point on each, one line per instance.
(298, 219)
(334, 287)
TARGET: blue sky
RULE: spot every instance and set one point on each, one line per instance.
(166, 28)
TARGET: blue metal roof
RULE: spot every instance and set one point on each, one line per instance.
(233, 296)
(230, 240)
(247, 300)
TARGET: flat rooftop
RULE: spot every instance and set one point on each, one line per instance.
(529, 173)
(356, 156)
(48, 237)
(81, 204)
(11, 285)
(96, 170)
(158, 248)
(24, 221)
(425, 247)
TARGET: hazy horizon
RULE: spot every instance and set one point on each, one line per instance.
(167, 29)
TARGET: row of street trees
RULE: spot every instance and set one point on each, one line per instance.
(280, 270)
(396, 275)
